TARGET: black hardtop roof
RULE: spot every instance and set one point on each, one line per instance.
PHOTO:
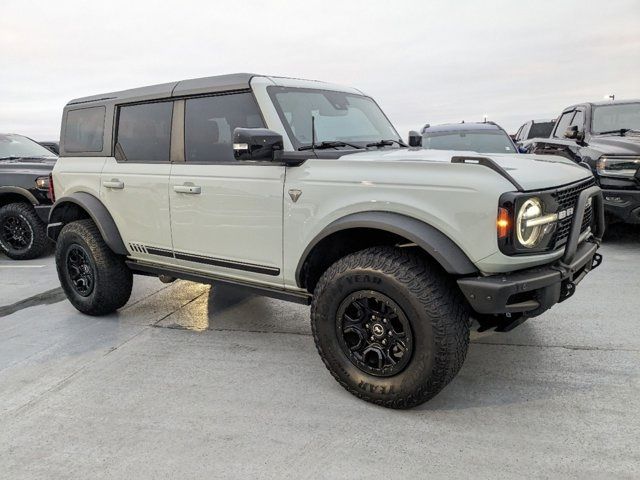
(234, 81)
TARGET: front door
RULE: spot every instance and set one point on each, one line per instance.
(226, 215)
(134, 184)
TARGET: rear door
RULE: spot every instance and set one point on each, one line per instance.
(226, 215)
(134, 183)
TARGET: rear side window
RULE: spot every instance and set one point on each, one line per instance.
(144, 132)
(84, 130)
(541, 130)
(209, 123)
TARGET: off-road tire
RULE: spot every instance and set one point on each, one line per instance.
(437, 313)
(38, 243)
(113, 280)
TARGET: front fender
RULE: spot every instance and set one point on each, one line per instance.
(95, 209)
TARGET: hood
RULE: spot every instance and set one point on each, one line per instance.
(533, 172)
(27, 165)
(615, 145)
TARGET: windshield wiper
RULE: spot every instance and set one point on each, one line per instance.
(323, 145)
(619, 131)
(386, 143)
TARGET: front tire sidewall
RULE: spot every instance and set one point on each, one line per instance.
(400, 387)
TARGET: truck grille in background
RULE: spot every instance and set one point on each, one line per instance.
(567, 197)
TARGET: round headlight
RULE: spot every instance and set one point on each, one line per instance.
(529, 236)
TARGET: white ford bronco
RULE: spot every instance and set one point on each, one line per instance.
(304, 191)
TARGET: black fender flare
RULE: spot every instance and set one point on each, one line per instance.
(21, 191)
(98, 213)
(444, 250)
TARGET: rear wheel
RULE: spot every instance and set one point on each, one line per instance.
(22, 233)
(389, 326)
(95, 280)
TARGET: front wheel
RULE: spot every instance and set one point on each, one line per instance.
(22, 233)
(389, 326)
(95, 280)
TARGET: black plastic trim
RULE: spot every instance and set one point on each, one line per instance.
(20, 191)
(449, 255)
(489, 163)
(219, 262)
(281, 294)
(98, 213)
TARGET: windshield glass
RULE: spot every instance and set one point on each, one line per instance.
(607, 118)
(339, 116)
(19, 146)
(481, 142)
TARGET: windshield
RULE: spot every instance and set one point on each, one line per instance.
(607, 118)
(338, 117)
(482, 142)
(19, 146)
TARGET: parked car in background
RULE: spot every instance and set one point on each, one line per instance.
(304, 191)
(54, 147)
(533, 129)
(481, 137)
(25, 202)
(605, 137)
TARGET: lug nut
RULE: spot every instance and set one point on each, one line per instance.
(384, 320)
(384, 342)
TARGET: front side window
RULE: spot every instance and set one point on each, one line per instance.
(338, 116)
(482, 142)
(209, 123)
(563, 123)
(611, 118)
(144, 132)
(84, 130)
(578, 120)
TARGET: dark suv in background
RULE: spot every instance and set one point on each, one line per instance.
(605, 137)
(481, 137)
(24, 196)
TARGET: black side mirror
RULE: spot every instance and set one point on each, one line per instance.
(415, 139)
(573, 133)
(258, 144)
(522, 149)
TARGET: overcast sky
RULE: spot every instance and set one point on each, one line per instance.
(423, 61)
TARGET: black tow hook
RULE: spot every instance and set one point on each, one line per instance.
(566, 291)
(596, 261)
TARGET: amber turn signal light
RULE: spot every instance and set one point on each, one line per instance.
(503, 223)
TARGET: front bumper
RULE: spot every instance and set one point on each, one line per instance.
(532, 291)
(623, 205)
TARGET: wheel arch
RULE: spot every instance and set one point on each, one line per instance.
(392, 227)
(11, 194)
(81, 205)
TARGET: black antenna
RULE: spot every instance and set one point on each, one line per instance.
(313, 132)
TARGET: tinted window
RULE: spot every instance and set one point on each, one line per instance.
(144, 131)
(578, 120)
(481, 142)
(209, 125)
(562, 124)
(541, 130)
(12, 145)
(519, 133)
(84, 130)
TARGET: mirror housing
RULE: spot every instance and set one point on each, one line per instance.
(415, 139)
(573, 133)
(257, 144)
(522, 149)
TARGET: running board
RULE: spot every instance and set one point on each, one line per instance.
(153, 270)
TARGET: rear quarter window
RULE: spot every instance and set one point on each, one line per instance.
(84, 130)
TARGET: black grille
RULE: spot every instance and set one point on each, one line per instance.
(567, 197)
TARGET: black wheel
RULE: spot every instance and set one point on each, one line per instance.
(390, 327)
(22, 233)
(95, 280)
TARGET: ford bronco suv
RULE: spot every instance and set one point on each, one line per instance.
(604, 137)
(24, 196)
(304, 191)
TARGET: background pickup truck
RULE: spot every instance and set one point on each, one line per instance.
(605, 137)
